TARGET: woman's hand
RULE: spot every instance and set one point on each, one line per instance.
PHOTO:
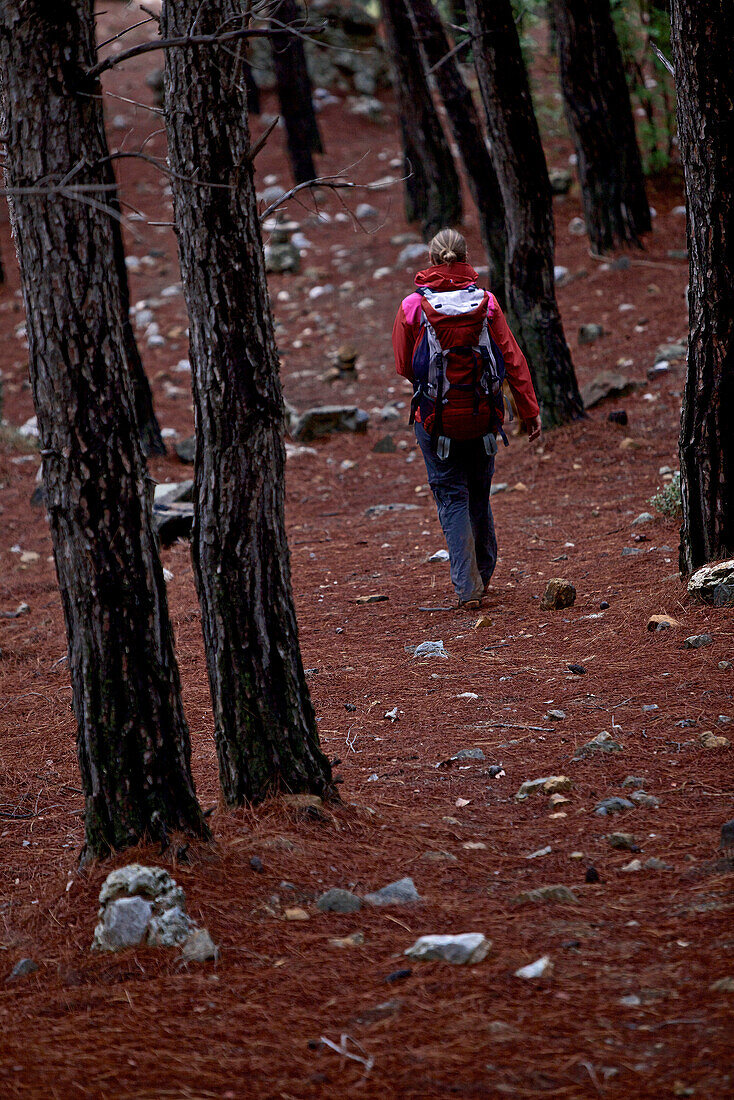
(533, 427)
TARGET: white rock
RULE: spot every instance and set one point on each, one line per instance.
(467, 947)
(155, 341)
(182, 367)
(382, 273)
(124, 924)
(470, 695)
(133, 263)
(412, 252)
(365, 212)
(539, 969)
(171, 291)
(440, 555)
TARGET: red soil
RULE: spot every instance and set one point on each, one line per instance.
(138, 1025)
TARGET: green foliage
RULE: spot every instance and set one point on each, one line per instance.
(641, 25)
(668, 499)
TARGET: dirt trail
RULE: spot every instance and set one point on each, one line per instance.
(629, 1008)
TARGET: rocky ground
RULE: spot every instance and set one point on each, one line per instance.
(631, 909)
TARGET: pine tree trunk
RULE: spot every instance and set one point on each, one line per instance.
(265, 727)
(149, 430)
(132, 741)
(519, 161)
(295, 95)
(432, 190)
(599, 116)
(469, 138)
(702, 52)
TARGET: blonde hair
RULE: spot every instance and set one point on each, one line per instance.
(447, 247)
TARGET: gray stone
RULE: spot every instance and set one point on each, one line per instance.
(601, 745)
(365, 212)
(272, 194)
(199, 947)
(640, 798)
(556, 715)
(644, 517)
(317, 422)
(609, 806)
(625, 842)
(500, 487)
(635, 781)
(430, 649)
(124, 924)
(606, 384)
(697, 641)
(186, 450)
(401, 892)
(704, 582)
(175, 492)
(401, 239)
(531, 786)
(338, 901)
(22, 969)
(723, 595)
(467, 947)
(561, 274)
(630, 551)
(654, 864)
(469, 754)
(412, 253)
(173, 521)
(440, 555)
(556, 892)
(366, 106)
(589, 334)
(381, 509)
(282, 259)
(671, 352)
(170, 929)
(136, 880)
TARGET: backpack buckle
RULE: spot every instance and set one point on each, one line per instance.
(443, 447)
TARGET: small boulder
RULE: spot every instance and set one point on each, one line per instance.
(609, 806)
(466, 947)
(649, 801)
(704, 582)
(606, 384)
(589, 334)
(186, 450)
(671, 352)
(644, 517)
(338, 901)
(318, 422)
(541, 968)
(558, 594)
(402, 892)
(22, 969)
(601, 745)
(532, 786)
(624, 842)
(124, 924)
(658, 623)
(199, 947)
(711, 740)
(557, 892)
(698, 641)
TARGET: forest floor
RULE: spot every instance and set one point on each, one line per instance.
(630, 1007)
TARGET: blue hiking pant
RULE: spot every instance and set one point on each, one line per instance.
(460, 485)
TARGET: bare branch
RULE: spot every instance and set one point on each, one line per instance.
(447, 57)
(190, 40)
(255, 149)
(132, 27)
(150, 12)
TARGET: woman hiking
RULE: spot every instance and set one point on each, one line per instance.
(452, 342)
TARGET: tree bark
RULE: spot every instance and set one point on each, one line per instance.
(149, 430)
(295, 95)
(469, 138)
(701, 41)
(599, 116)
(519, 161)
(432, 190)
(132, 740)
(265, 727)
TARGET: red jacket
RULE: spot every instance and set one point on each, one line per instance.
(406, 331)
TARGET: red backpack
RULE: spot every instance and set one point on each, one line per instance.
(458, 369)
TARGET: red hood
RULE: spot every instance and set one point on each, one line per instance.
(447, 277)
